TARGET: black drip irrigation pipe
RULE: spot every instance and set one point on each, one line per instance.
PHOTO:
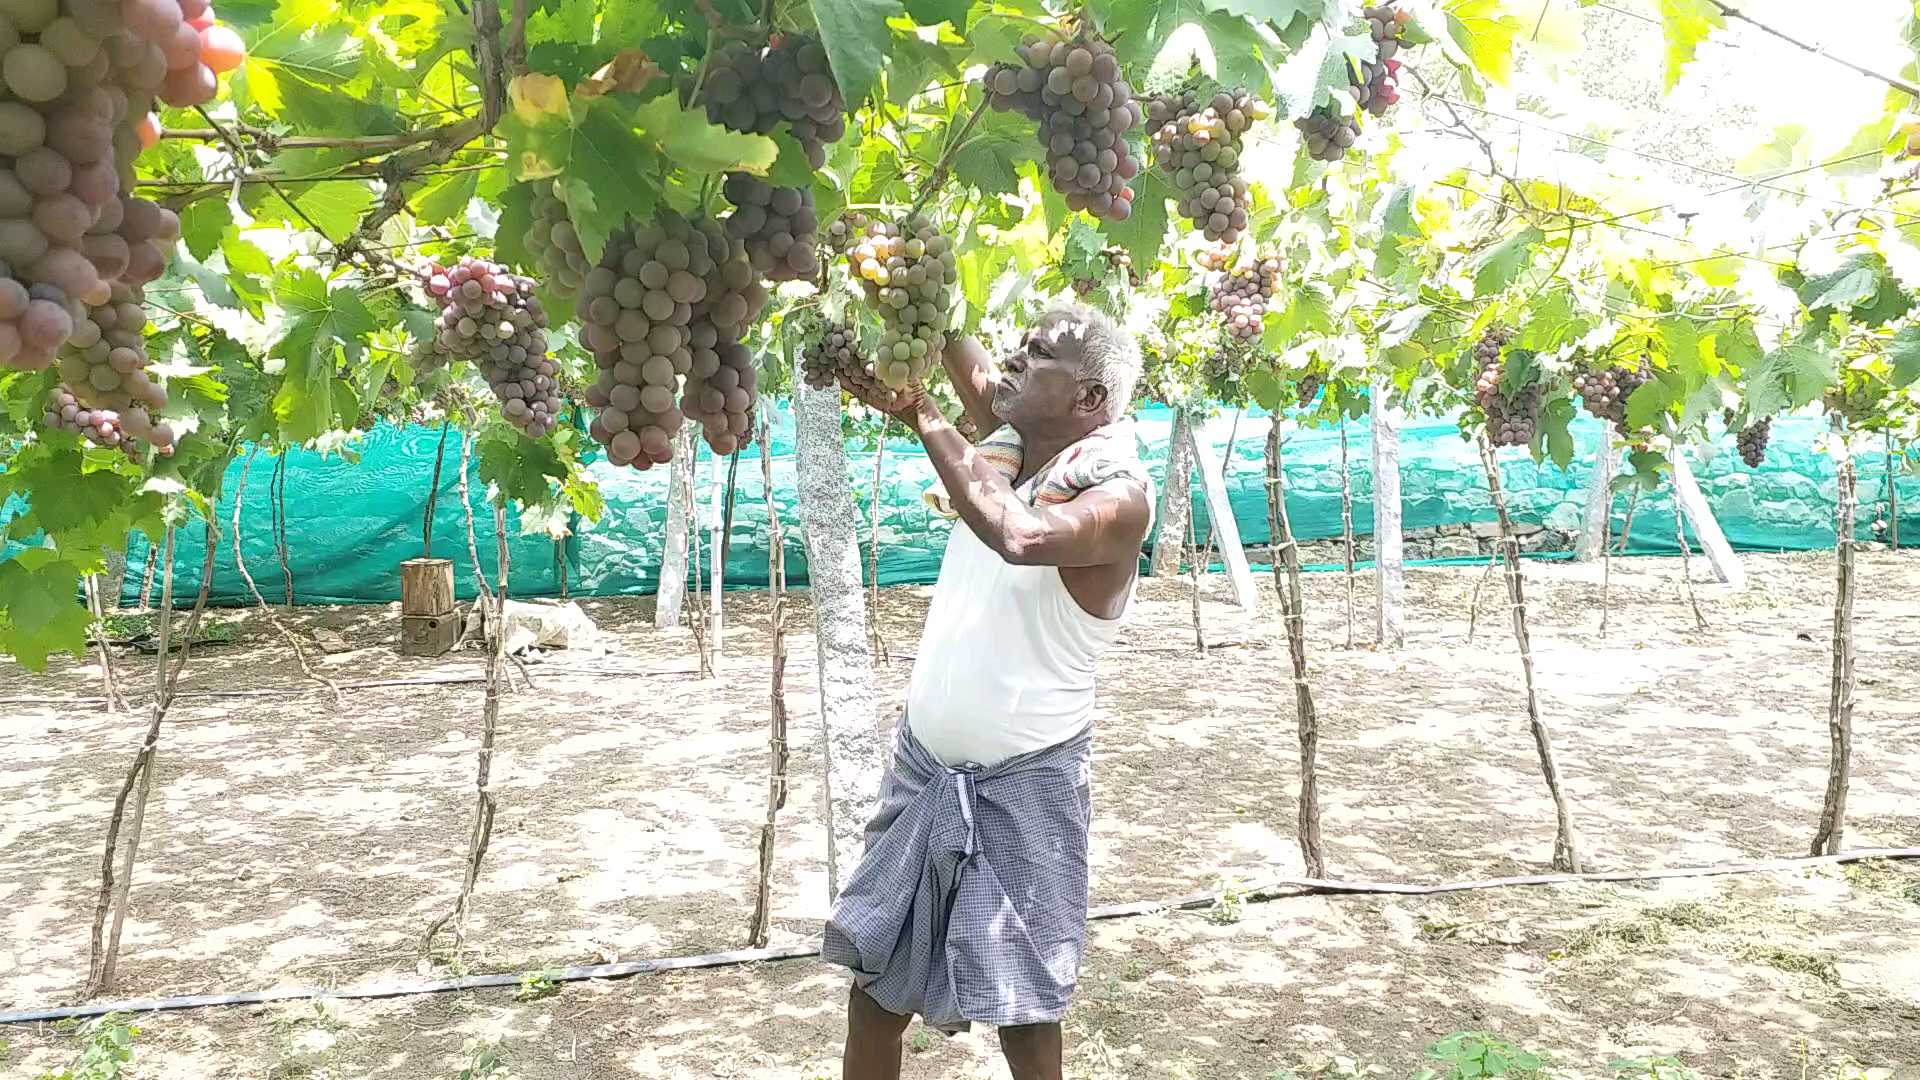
(1267, 889)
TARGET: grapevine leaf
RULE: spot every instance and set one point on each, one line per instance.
(1687, 24)
(335, 207)
(1646, 405)
(1265, 388)
(685, 138)
(39, 612)
(1904, 354)
(1500, 265)
(1400, 326)
(934, 12)
(1143, 232)
(201, 225)
(1083, 243)
(518, 467)
(1801, 371)
(1557, 440)
(325, 324)
(1852, 284)
(516, 216)
(1485, 34)
(791, 167)
(1680, 337)
(444, 198)
(988, 161)
(1396, 227)
(1165, 35)
(1277, 12)
(857, 40)
(1307, 309)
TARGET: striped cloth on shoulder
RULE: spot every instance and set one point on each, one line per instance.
(1107, 453)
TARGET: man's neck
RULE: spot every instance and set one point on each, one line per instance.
(1037, 450)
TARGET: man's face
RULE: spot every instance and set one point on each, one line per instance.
(1040, 385)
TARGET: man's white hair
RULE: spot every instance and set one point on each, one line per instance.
(1108, 354)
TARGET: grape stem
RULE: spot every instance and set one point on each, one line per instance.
(240, 161)
(938, 178)
(1731, 12)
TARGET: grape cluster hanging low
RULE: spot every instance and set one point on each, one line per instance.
(1071, 87)
(490, 316)
(1197, 143)
(834, 357)
(670, 298)
(101, 427)
(1604, 391)
(1308, 387)
(755, 90)
(1242, 296)
(907, 273)
(1513, 415)
(1752, 441)
(1327, 133)
(777, 225)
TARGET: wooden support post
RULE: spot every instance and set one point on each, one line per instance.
(1220, 515)
(1726, 565)
(1597, 514)
(1389, 559)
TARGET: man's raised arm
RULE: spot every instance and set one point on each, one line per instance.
(970, 370)
(1103, 525)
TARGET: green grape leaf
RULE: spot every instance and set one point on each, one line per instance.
(790, 167)
(334, 207)
(516, 217)
(1485, 33)
(1166, 35)
(1553, 431)
(1687, 23)
(1397, 229)
(857, 40)
(202, 224)
(1648, 404)
(934, 12)
(444, 198)
(1399, 327)
(39, 610)
(1500, 265)
(324, 326)
(521, 469)
(1265, 388)
(1903, 352)
(1308, 308)
(989, 160)
(1862, 285)
(1789, 377)
(1084, 243)
(1146, 229)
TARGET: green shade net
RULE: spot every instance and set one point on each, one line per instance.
(351, 523)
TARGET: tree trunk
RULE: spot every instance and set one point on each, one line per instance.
(853, 741)
(1566, 848)
(277, 500)
(1293, 611)
(672, 592)
(1833, 814)
(1176, 500)
(1597, 514)
(240, 563)
(777, 702)
(1686, 564)
(720, 524)
(877, 638)
(113, 581)
(695, 622)
(1389, 557)
(1893, 507)
(1346, 523)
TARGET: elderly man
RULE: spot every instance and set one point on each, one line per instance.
(970, 903)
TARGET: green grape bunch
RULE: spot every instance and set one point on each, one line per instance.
(1198, 143)
(908, 272)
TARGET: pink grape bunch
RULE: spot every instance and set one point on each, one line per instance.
(1197, 143)
(1604, 391)
(107, 428)
(1242, 296)
(490, 316)
(671, 298)
(1512, 418)
(756, 90)
(104, 363)
(1071, 87)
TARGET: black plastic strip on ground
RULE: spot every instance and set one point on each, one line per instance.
(1266, 889)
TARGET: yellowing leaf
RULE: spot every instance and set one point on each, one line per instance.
(1485, 33)
(537, 97)
(1687, 23)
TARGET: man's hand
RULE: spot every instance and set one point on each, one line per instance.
(905, 405)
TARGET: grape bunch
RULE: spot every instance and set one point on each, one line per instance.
(670, 298)
(1308, 388)
(1511, 419)
(489, 315)
(834, 356)
(552, 240)
(104, 364)
(1752, 441)
(1327, 133)
(1242, 296)
(105, 427)
(1118, 263)
(1198, 143)
(755, 90)
(777, 224)
(908, 273)
(1214, 258)
(1604, 391)
(1072, 88)
(1376, 88)
(1388, 26)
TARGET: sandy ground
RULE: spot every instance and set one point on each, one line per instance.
(294, 842)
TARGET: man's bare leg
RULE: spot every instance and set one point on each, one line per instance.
(873, 1040)
(1033, 1051)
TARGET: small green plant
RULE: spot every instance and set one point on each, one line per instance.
(1469, 1055)
(1227, 903)
(485, 1061)
(1665, 1067)
(535, 985)
(1793, 961)
(921, 1041)
(108, 1049)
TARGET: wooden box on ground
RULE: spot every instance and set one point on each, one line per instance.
(428, 624)
(429, 635)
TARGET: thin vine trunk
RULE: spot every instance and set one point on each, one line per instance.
(1199, 566)
(433, 494)
(1473, 608)
(1346, 523)
(1686, 562)
(1893, 499)
(777, 704)
(1833, 812)
(146, 582)
(671, 593)
(719, 550)
(1176, 501)
(695, 621)
(877, 636)
(1292, 610)
(1389, 553)
(277, 498)
(484, 806)
(1566, 848)
(110, 909)
(108, 688)
(240, 563)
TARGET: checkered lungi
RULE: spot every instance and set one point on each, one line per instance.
(970, 903)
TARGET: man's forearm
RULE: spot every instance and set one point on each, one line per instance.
(970, 371)
(979, 494)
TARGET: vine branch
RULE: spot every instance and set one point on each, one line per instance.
(938, 178)
(1732, 12)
